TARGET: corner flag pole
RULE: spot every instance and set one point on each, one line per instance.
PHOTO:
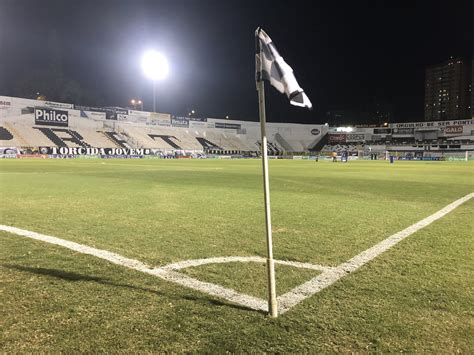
(272, 301)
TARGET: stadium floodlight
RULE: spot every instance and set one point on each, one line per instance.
(136, 103)
(155, 67)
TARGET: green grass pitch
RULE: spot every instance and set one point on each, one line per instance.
(415, 297)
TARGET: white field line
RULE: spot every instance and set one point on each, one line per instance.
(288, 300)
(320, 282)
(163, 273)
(244, 259)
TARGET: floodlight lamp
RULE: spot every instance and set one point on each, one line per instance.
(155, 65)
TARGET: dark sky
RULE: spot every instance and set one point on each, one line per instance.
(344, 53)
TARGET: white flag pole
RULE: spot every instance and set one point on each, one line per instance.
(272, 301)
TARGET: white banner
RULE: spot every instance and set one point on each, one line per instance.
(93, 115)
(163, 122)
(8, 152)
(17, 101)
(197, 124)
(139, 113)
(432, 124)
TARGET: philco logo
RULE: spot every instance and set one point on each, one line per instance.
(49, 117)
(315, 131)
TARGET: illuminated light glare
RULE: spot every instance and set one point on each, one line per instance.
(154, 65)
(344, 129)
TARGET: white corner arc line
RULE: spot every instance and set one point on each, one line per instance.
(163, 273)
(320, 282)
(286, 301)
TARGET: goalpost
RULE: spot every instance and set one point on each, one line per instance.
(469, 155)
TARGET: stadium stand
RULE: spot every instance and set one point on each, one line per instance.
(32, 124)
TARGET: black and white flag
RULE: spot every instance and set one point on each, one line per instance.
(270, 66)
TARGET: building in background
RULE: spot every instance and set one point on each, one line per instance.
(471, 89)
(447, 90)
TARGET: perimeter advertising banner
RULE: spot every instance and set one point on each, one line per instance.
(226, 125)
(165, 123)
(139, 113)
(94, 151)
(8, 152)
(4, 102)
(20, 102)
(337, 138)
(159, 119)
(159, 116)
(133, 118)
(180, 122)
(432, 124)
(198, 122)
(452, 130)
(403, 131)
(98, 112)
(93, 115)
(47, 117)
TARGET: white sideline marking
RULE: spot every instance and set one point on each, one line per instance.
(286, 301)
(320, 282)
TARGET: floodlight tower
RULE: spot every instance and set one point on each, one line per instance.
(155, 67)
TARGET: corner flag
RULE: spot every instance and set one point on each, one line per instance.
(270, 66)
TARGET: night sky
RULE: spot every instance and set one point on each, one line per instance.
(345, 54)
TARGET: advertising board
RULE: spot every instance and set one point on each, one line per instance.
(226, 125)
(337, 138)
(49, 117)
(180, 122)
